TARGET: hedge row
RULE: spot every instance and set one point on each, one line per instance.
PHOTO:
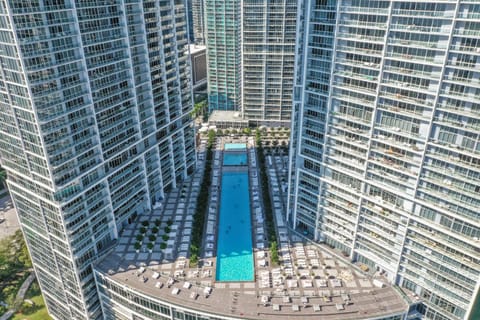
(202, 202)
(267, 203)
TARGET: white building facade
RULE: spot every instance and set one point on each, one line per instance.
(250, 58)
(269, 36)
(94, 127)
(386, 142)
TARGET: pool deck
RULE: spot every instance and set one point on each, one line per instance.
(312, 280)
(244, 300)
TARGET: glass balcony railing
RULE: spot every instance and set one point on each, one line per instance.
(423, 29)
(424, 13)
(364, 10)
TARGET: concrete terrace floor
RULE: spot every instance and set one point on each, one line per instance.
(311, 279)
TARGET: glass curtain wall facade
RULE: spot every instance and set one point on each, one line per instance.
(223, 41)
(198, 21)
(269, 35)
(386, 142)
(94, 126)
(191, 36)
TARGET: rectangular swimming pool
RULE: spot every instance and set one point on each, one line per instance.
(235, 146)
(234, 158)
(234, 243)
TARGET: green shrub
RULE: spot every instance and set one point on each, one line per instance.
(193, 260)
(265, 192)
(274, 253)
(202, 199)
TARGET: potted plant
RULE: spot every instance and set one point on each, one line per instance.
(163, 245)
(145, 223)
(158, 222)
(150, 247)
(139, 238)
(152, 238)
(137, 246)
(155, 230)
(165, 237)
(143, 230)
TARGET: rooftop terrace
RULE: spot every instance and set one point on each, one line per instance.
(311, 280)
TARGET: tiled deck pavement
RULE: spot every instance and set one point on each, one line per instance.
(177, 206)
(236, 298)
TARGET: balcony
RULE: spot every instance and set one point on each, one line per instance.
(442, 30)
(471, 126)
(445, 197)
(436, 268)
(347, 241)
(407, 99)
(430, 254)
(385, 218)
(353, 49)
(350, 168)
(364, 10)
(368, 78)
(426, 59)
(466, 32)
(432, 281)
(363, 38)
(363, 24)
(424, 13)
(342, 216)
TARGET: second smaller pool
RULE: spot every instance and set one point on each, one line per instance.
(234, 159)
(235, 146)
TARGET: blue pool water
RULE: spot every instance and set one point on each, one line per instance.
(235, 146)
(234, 248)
(234, 159)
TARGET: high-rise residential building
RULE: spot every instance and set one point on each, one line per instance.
(223, 41)
(94, 127)
(268, 36)
(250, 57)
(386, 142)
(198, 21)
(191, 35)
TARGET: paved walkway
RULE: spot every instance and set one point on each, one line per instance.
(8, 218)
(20, 296)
